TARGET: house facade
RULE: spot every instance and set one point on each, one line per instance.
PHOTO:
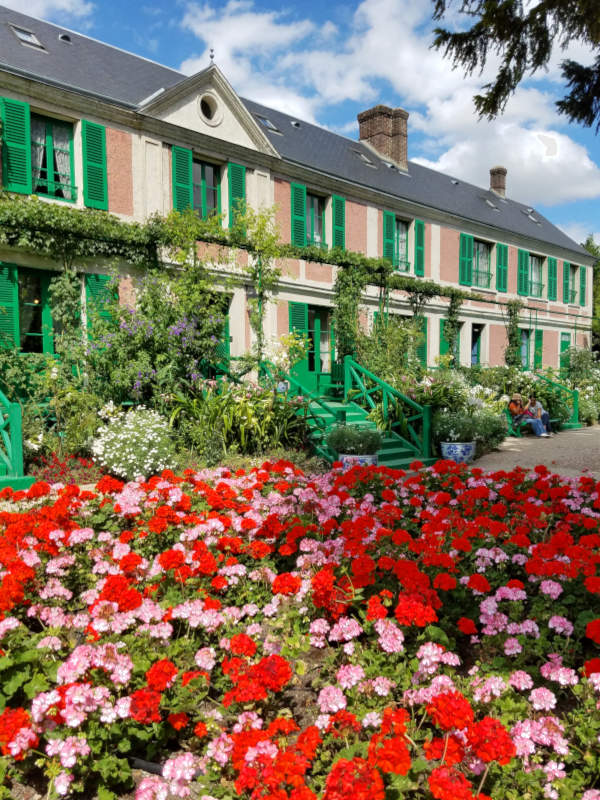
(90, 125)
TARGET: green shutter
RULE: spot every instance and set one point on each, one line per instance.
(9, 306)
(502, 267)
(237, 191)
(422, 348)
(566, 281)
(95, 186)
(523, 273)
(298, 204)
(419, 247)
(339, 222)
(16, 146)
(539, 349)
(299, 317)
(565, 343)
(182, 179)
(552, 279)
(582, 285)
(465, 272)
(443, 340)
(389, 237)
(98, 295)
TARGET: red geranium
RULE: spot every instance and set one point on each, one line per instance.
(467, 626)
(454, 750)
(591, 667)
(144, 706)
(450, 711)
(161, 675)
(354, 779)
(286, 584)
(446, 783)
(242, 645)
(490, 741)
(479, 583)
(592, 630)
(178, 721)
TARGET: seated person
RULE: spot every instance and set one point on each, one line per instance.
(537, 409)
(520, 414)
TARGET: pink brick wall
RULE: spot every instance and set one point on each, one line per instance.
(126, 292)
(318, 272)
(119, 169)
(356, 227)
(513, 260)
(583, 339)
(449, 254)
(427, 250)
(291, 267)
(550, 355)
(283, 317)
(283, 199)
(498, 342)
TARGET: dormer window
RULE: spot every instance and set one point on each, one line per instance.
(268, 124)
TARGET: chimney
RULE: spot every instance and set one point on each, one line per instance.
(385, 130)
(498, 181)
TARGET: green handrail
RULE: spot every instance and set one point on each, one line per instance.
(356, 376)
(565, 394)
(11, 444)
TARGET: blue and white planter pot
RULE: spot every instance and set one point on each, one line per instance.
(360, 461)
(459, 452)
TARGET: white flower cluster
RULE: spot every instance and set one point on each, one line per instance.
(135, 444)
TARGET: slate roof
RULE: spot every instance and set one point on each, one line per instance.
(93, 67)
(85, 64)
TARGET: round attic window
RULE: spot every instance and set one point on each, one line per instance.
(210, 109)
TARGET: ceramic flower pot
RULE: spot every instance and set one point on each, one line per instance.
(361, 461)
(459, 452)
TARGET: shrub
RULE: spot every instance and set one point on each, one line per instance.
(354, 441)
(490, 430)
(588, 411)
(454, 426)
(135, 444)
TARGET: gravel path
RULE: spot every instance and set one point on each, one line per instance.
(569, 453)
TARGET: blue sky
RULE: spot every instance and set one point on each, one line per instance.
(325, 62)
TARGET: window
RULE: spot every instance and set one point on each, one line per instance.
(476, 334)
(363, 157)
(535, 276)
(481, 265)
(395, 241)
(268, 124)
(52, 158)
(27, 37)
(35, 316)
(206, 189)
(315, 220)
(572, 283)
(525, 347)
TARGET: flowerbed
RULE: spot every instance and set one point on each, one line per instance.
(265, 635)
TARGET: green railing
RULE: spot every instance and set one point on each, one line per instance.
(11, 446)
(360, 384)
(569, 396)
(536, 288)
(402, 265)
(482, 279)
(274, 374)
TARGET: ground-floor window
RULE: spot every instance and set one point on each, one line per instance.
(476, 336)
(525, 347)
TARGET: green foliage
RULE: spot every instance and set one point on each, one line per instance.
(577, 365)
(134, 443)
(588, 411)
(524, 35)
(512, 353)
(248, 418)
(351, 440)
(454, 426)
(388, 350)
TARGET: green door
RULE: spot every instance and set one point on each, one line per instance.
(315, 323)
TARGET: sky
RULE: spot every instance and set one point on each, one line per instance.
(324, 62)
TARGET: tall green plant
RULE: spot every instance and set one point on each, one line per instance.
(512, 353)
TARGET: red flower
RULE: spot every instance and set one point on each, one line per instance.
(446, 783)
(354, 779)
(12, 723)
(389, 755)
(592, 584)
(161, 675)
(479, 583)
(490, 740)
(201, 730)
(171, 559)
(592, 630)
(219, 582)
(286, 584)
(130, 562)
(591, 667)
(411, 610)
(444, 582)
(435, 749)
(450, 711)
(376, 609)
(467, 626)
(144, 706)
(242, 645)
(178, 721)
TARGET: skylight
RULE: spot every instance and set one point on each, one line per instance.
(27, 37)
(268, 124)
(360, 155)
(388, 164)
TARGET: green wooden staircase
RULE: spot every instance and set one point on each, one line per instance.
(11, 447)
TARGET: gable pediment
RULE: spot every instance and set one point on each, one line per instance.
(206, 103)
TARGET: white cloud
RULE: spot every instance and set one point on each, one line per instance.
(579, 231)
(383, 55)
(52, 9)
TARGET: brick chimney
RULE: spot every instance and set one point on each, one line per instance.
(498, 181)
(385, 130)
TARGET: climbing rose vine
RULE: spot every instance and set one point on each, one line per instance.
(360, 634)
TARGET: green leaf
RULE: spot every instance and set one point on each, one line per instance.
(106, 794)
(37, 684)
(418, 765)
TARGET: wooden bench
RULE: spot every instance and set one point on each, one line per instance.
(515, 430)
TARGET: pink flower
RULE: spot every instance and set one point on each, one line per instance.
(542, 699)
(551, 588)
(512, 647)
(520, 680)
(561, 625)
(348, 675)
(331, 700)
